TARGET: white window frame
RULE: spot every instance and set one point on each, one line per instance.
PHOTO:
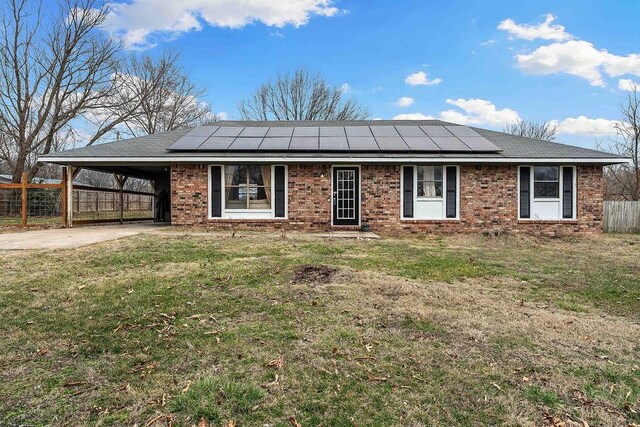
(443, 198)
(533, 199)
(248, 213)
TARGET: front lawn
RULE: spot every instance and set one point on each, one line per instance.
(257, 329)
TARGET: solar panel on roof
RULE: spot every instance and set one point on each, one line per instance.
(217, 143)
(206, 131)
(188, 143)
(332, 131)
(253, 131)
(462, 131)
(362, 143)
(333, 143)
(421, 143)
(391, 143)
(356, 138)
(450, 143)
(384, 131)
(435, 131)
(279, 131)
(275, 144)
(245, 144)
(478, 143)
(409, 131)
(305, 131)
(357, 131)
(228, 131)
(304, 143)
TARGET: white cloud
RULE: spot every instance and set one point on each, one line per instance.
(139, 21)
(627, 84)
(582, 125)
(222, 116)
(489, 42)
(346, 88)
(421, 79)
(545, 30)
(413, 116)
(405, 101)
(478, 112)
(579, 58)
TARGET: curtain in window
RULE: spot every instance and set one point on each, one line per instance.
(428, 184)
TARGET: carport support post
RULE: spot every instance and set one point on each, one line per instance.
(67, 176)
(120, 180)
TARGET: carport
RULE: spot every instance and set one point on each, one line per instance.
(143, 157)
(157, 175)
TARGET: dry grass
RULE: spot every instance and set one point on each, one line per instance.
(258, 329)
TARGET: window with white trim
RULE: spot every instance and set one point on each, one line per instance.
(430, 192)
(247, 187)
(247, 191)
(547, 192)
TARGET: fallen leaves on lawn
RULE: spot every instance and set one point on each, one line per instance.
(73, 383)
(294, 422)
(186, 388)
(162, 417)
(276, 363)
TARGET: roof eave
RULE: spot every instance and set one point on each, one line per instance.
(165, 160)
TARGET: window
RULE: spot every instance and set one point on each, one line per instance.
(247, 187)
(547, 192)
(546, 182)
(429, 192)
(429, 181)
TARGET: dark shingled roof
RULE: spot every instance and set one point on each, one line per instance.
(156, 147)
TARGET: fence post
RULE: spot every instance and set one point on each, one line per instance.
(23, 181)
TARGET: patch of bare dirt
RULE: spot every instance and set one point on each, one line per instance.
(313, 274)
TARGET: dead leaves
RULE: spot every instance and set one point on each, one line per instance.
(162, 417)
(276, 363)
(294, 422)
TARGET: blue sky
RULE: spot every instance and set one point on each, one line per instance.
(484, 62)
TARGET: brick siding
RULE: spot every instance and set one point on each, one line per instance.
(488, 202)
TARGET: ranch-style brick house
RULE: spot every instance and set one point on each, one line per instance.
(394, 176)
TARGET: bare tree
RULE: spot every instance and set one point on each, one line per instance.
(624, 180)
(545, 130)
(52, 74)
(172, 103)
(303, 95)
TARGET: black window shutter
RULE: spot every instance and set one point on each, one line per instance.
(216, 191)
(525, 196)
(567, 192)
(280, 191)
(407, 192)
(452, 191)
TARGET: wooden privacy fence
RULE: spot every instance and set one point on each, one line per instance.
(622, 216)
(23, 204)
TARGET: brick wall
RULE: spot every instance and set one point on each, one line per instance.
(488, 201)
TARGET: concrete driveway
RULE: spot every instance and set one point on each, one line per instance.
(61, 238)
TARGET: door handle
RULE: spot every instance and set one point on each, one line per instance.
(335, 198)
